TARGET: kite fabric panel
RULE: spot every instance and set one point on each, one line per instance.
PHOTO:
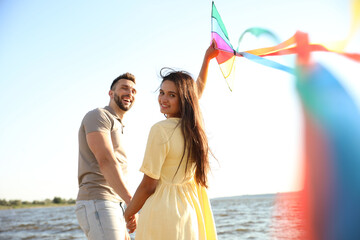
(330, 198)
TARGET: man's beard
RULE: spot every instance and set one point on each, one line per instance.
(120, 104)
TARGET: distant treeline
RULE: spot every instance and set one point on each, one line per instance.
(19, 203)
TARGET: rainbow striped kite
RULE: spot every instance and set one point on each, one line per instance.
(227, 55)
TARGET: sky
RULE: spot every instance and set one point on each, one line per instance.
(58, 59)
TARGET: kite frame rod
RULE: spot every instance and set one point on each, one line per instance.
(233, 52)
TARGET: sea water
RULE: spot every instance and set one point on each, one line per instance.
(241, 217)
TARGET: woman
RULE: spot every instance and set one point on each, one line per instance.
(172, 195)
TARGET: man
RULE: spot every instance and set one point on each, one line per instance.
(103, 165)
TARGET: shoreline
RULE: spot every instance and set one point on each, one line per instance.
(28, 206)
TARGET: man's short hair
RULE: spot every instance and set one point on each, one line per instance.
(127, 76)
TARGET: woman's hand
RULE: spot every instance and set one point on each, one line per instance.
(212, 51)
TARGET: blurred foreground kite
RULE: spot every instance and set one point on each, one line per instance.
(330, 199)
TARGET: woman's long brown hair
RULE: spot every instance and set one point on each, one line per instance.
(192, 127)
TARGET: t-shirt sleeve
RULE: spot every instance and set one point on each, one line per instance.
(155, 153)
(96, 121)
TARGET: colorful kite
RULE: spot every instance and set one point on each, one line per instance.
(330, 199)
(228, 54)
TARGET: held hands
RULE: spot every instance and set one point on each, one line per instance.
(131, 222)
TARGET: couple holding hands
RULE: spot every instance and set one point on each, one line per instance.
(172, 195)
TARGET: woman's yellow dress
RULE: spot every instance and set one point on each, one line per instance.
(179, 209)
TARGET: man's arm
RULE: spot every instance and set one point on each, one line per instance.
(101, 146)
(210, 53)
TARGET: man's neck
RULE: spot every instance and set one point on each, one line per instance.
(120, 113)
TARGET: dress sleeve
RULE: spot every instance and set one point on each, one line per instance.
(96, 121)
(156, 150)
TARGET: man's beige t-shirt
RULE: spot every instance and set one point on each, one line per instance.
(92, 184)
